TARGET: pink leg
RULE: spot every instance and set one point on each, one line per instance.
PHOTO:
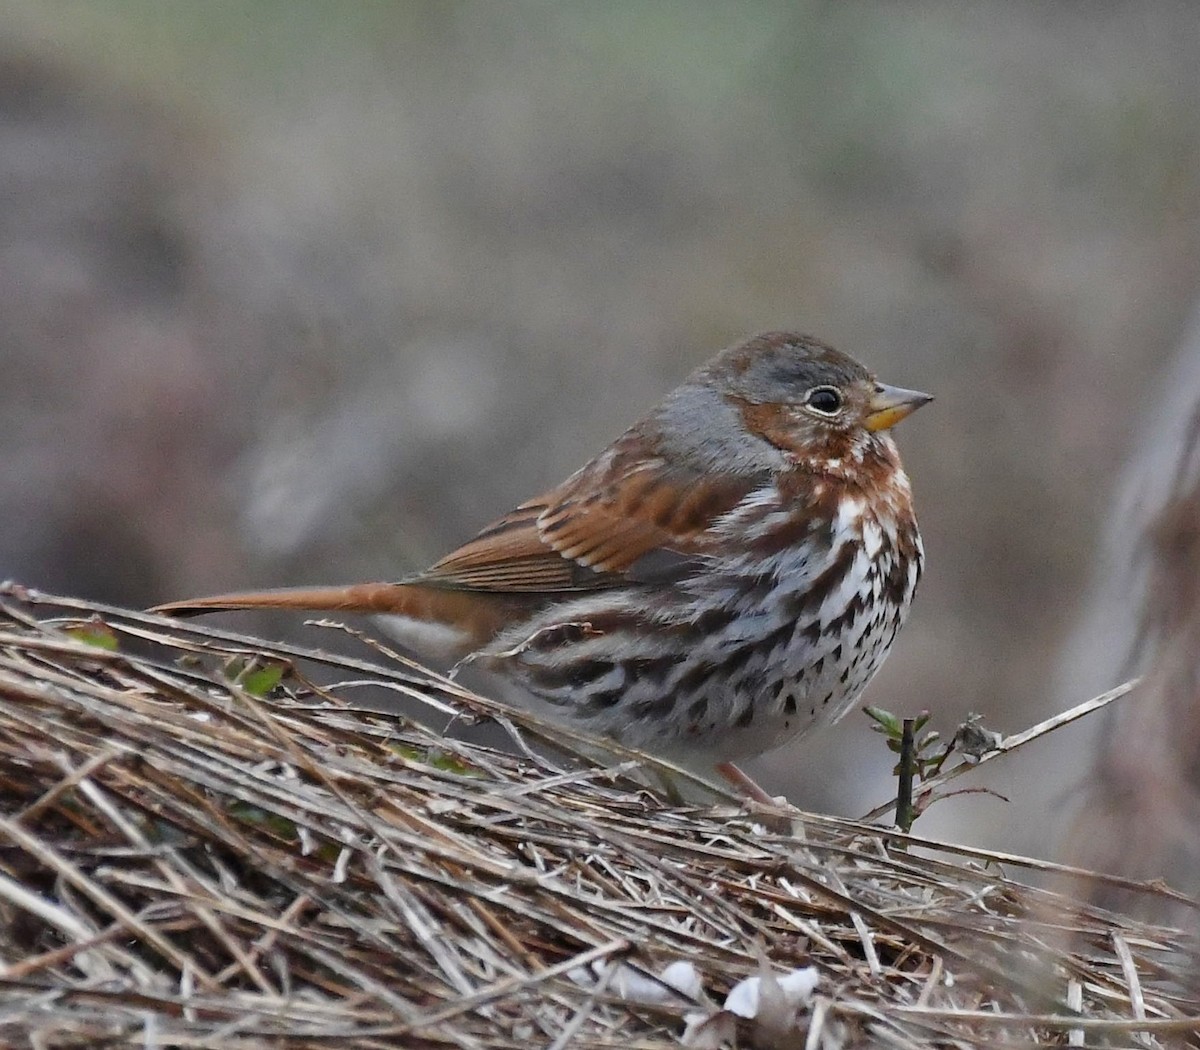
(746, 785)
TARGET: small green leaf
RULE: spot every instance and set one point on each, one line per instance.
(435, 757)
(96, 634)
(886, 721)
(449, 764)
(328, 852)
(271, 822)
(259, 681)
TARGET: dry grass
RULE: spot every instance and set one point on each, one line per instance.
(193, 856)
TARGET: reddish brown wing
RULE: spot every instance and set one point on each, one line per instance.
(623, 517)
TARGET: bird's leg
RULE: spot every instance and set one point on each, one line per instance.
(748, 786)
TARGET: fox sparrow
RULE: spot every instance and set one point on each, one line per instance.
(726, 575)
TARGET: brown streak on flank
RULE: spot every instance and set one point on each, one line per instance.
(854, 608)
(813, 527)
(656, 710)
(696, 676)
(895, 583)
(651, 668)
(826, 581)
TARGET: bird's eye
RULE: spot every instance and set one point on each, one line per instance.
(825, 399)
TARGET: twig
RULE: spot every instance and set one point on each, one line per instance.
(1011, 743)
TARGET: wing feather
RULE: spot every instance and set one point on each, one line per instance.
(622, 512)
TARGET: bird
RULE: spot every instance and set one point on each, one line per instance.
(726, 576)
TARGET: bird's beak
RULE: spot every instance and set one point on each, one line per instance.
(890, 404)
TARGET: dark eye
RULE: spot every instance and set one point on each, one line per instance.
(825, 399)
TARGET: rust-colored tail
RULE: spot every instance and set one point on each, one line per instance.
(357, 598)
(434, 621)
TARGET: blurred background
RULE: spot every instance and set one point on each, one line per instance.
(303, 292)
